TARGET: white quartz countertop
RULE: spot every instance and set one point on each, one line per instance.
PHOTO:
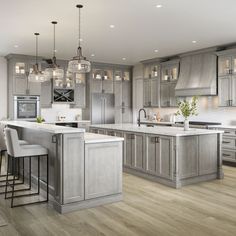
(100, 138)
(67, 121)
(223, 126)
(50, 128)
(158, 130)
(168, 123)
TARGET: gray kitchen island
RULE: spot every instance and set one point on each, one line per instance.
(169, 155)
(85, 169)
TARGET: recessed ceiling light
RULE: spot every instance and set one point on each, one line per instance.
(16, 46)
(112, 26)
(156, 50)
(159, 6)
(81, 40)
(123, 58)
(194, 41)
(92, 55)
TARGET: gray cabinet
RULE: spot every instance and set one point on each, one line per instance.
(151, 92)
(224, 88)
(103, 173)
(46, 94)
(80, 95)
(158, 156)
(123, 96)
(146, 93)
(134, 150)
(168, 98)
(102, 80)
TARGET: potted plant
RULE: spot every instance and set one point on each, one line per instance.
(40, 119)
(187, 109)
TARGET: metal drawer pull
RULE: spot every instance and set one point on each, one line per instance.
(226, 142)
(227, 132)
(226, 155)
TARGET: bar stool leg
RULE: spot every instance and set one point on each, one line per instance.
(1, 162)
(7, 179)
(13, 184)
(38, 174)
(30, 173)
(47, 178)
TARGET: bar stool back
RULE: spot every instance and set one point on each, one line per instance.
(16, 151)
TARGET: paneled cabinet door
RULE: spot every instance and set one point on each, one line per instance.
(34, 88)
(146, 93)
(233, 90)
(173, 98)
(46, 94)
(165, 96)
(159, 156)
(107, 86)
(155, 94)
(138, 156)
(224, 90)
(96, 86)
(118, 93)
(134, 151)
(20, 85)
(126, 93)
(224, 65)
(80, 95)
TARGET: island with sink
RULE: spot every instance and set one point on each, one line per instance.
(168, 155)
(85, 169)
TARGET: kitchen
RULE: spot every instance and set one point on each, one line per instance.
(136, 139)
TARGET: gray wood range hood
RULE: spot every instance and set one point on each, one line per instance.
(198, 75)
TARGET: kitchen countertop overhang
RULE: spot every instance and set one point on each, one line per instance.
(158, 130)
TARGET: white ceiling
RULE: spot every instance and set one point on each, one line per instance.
(140, 27)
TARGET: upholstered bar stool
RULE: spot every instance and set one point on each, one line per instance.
(15, 152)
(3, 150)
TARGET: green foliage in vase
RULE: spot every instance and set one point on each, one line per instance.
(40, 119)
(187, 108)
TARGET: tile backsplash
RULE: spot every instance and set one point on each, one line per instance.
(51, 114)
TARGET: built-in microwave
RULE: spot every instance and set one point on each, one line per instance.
(26, 107)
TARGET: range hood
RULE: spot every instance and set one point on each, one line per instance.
(198, 75)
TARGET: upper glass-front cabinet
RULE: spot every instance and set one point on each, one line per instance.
(120, 75)
(99, 74)
(20, 68)
(169, 71)
(225, 65)
(151, 71)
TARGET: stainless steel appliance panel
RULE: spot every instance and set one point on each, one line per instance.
(26, 107)
(103, 111)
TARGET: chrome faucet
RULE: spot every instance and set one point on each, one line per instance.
(145, 115)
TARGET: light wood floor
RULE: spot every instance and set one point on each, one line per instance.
(148, 208)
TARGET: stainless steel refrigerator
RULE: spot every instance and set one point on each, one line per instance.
(103, 108)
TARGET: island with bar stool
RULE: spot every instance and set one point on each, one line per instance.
(85, 169)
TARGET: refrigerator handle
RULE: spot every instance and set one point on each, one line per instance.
(104, 111)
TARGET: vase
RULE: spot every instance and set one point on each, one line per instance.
(186, 125)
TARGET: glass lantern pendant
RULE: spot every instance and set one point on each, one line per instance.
(79, 63)
(36, 75)
(54, 71)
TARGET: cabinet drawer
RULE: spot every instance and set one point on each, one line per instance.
(228, 142)
(229, 132)
(228, 155)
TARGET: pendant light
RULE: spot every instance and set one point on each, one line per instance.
(79, 64)
(54, 71)
(36, 75)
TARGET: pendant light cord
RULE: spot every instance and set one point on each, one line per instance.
(54, 40)
(36, 58)
(79, 26)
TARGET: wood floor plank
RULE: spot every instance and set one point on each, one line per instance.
(148, 208)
